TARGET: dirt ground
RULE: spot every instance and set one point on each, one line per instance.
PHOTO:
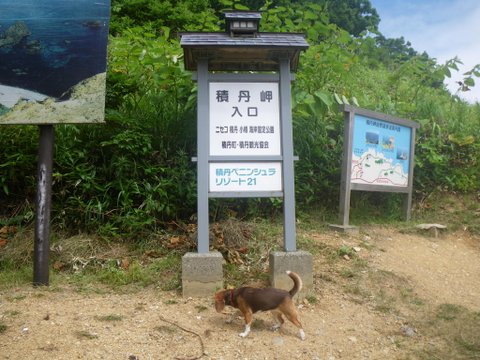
(345, 321)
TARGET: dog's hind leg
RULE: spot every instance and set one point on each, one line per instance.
(278, 320)
(293, 317)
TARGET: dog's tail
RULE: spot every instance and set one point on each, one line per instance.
(297, 283)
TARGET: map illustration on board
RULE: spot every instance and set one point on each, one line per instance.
(380, 152)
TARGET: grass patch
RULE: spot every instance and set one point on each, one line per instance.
(201, 308)
(164, 273)
(165, 329)
(458, 211)
(13, 276)
(348, 273)
(3, 327)
(12, 313)
(16, 298)
(456, 331)
(386, 291)
(346, 251)
(84, 334)
(109, 318)
(449, 312)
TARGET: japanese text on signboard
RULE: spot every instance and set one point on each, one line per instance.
(245, 177)
(244, 119)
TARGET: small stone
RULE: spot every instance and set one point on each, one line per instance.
(278, 341)
(408, 331)
(436, 227)
(357, 249)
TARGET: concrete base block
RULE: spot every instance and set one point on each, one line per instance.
(349, 229)
(202, 274)
(300, 262)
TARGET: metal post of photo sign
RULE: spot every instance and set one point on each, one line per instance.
(378, 156)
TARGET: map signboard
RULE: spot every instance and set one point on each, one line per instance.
(380, 152)
(53, 61)
(378, 155)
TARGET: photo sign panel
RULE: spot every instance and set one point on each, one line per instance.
(53, 61)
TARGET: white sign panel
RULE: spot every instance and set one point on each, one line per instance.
(240, 176)
(244, 119)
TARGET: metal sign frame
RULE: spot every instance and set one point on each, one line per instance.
(285, 158)
(386, 123)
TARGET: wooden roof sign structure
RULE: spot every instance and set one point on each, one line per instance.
(244, 135)
(242, 46)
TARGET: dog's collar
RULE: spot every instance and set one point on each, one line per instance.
(231, 296)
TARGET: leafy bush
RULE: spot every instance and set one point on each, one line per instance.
(135, 172)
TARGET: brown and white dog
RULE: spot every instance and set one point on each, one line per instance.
(249, 300)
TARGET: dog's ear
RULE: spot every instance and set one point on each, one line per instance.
(219, 301)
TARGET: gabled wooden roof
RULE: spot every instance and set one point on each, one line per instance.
(257, 53)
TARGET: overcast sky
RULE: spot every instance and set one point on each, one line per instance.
(442, 28)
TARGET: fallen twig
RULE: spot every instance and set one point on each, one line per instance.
(191, 332)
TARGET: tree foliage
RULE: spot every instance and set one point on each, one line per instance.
(135, 172)
(181, 15)
(354, 16)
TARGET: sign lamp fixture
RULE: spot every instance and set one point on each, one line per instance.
(241, 23)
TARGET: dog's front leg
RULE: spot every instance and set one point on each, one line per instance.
(232, 316)
(246, 331)
(248, 321)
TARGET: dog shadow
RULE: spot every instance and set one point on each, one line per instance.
(233, 321)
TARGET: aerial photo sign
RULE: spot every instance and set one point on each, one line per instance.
(380, 152)
(53, 57)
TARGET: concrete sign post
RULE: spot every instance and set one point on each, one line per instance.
(244, 125)
(378, 156)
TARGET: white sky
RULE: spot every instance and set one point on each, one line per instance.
(442, 28)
